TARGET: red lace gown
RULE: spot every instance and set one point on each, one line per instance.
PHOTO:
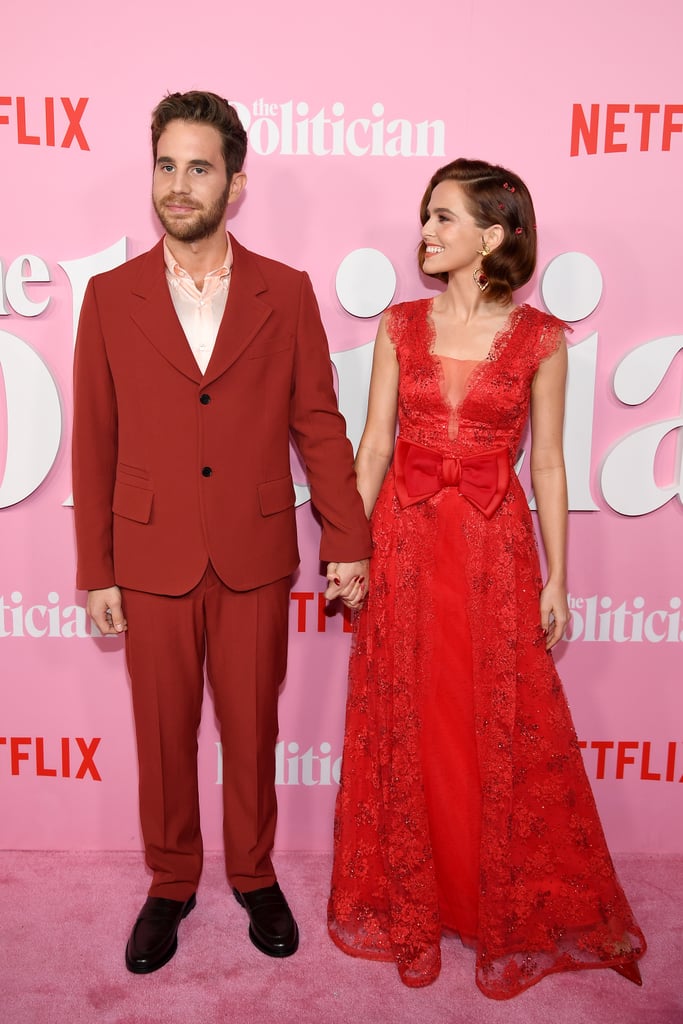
(464, 805)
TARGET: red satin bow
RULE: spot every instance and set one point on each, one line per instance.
(421, 472)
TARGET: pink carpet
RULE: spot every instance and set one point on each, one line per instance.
(66, 918)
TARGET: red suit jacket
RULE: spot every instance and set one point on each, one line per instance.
(172, 468)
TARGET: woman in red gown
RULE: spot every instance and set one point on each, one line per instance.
(464, 805)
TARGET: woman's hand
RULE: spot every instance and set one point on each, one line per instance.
(349, 581)
(554, 613)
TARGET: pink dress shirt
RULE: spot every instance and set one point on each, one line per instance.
(200, 312)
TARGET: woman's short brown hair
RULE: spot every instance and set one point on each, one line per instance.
(204, 108)
(494, 195)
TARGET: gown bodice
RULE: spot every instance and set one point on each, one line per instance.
(494, 406)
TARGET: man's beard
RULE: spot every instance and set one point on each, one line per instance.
(204, 224)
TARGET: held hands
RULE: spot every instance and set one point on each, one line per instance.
(554, 613)
(348, 580)
(105, 609)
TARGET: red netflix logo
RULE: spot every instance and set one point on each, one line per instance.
(65, 758)
(46, 120)
(647, 760)
(313, 614)
(622, 127)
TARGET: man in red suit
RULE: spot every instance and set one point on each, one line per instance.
(194, 364)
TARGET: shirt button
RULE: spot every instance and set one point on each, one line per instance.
(207, 471)
(205, 399)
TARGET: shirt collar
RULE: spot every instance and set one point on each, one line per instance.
(175, 270)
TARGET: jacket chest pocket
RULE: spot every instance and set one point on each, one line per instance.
(263, 348)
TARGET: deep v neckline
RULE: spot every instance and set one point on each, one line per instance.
(498, 343)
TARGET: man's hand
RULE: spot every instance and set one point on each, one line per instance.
(348, 580)
(105, 609)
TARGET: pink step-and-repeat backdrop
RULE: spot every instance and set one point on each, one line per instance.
(349, 110)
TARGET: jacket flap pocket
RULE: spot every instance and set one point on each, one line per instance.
(132, 502)
(123, 469)
(276, 495)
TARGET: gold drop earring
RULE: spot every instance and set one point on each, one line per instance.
(479, 277)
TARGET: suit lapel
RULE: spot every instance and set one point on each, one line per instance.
(153, 312)
(245, 312)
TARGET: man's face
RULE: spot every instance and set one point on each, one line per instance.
(190, 188)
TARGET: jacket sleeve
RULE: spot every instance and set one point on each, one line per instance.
(94, 450)
(320, 434)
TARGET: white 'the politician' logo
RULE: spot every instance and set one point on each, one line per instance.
(600, 620)
(294, 766)
(294, 128)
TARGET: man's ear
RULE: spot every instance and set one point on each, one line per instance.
(237, 183)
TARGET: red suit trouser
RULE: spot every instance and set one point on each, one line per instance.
(241, 638)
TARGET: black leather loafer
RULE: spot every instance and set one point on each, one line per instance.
(154, 938)
(272, 928)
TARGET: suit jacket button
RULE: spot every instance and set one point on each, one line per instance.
(207, 471)
(205, 399)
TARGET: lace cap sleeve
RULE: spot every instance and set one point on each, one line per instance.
(551, 334)
(395, 320)
(403, 321)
